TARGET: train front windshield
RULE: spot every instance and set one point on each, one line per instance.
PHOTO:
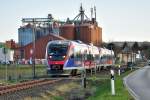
(57, 52)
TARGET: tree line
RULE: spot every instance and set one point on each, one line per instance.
(143, 47)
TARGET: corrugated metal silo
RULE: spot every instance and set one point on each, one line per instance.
(85, 33)
(90, 33)
(68, 31)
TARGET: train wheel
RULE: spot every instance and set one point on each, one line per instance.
(74, 72)
(102, 68)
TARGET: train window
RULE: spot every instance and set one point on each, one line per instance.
(90, 57)
(78, 56)
(57, 50)
(84, 56)
(72, 56)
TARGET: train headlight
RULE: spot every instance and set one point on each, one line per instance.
(63, 56)
(50, 57)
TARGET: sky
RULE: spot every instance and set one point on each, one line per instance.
(121, 20)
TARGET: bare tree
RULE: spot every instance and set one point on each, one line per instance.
(135, 47)
(145, 47)
(124, 45)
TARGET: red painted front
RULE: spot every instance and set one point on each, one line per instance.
(56, 62)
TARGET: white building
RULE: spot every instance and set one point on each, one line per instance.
(9, 55)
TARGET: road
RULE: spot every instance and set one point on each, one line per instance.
(138, 83)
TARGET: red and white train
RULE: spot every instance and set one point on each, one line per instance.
(68, 57)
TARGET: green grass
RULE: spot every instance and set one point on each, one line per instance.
(103, 91)
(16, 73)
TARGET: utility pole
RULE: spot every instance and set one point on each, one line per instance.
(33, 55)
(16, 66)
(5, 52)
(83, 74)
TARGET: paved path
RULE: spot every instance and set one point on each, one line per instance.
(138, 83)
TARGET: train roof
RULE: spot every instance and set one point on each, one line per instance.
(66, 42)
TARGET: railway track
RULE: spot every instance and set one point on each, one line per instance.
(25, 85)
(6, 89)
(32, 88)
(36, 88)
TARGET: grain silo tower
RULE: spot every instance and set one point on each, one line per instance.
(83, 28)
(67, 30)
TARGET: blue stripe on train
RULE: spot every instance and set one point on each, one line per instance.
(72, 63)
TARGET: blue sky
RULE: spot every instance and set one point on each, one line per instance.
(121, 20)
